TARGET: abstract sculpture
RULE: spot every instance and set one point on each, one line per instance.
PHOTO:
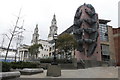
(85, 29)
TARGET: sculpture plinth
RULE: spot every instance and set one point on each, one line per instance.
(54, 70)
(86, 33)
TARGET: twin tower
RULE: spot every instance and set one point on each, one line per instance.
(52, 32)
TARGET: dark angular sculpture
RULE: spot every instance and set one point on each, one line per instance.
(85, 29)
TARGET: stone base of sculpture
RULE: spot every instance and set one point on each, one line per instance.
(54, 70)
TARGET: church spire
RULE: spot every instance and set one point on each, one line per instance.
(36, 29)
(35, 35)
(54, 22)
(53, 28)
(54, 18)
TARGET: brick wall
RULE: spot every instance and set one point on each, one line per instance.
(116, 32)
(111, 44)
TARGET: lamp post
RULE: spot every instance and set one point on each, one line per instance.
(54, 58)
(54, 69)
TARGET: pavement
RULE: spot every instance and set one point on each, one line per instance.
(94, 72)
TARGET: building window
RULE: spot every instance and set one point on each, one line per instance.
(50, 49)
(103, 32)
(105, 49)
(49, 54)
(105, 52)
(25, 54)
(105, 57)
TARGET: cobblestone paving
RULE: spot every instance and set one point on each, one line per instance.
(95, 72)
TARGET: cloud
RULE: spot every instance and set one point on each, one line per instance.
(41, 12)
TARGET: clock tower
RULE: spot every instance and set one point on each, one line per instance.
(53, 28)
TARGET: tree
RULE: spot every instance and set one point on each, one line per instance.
(66, 43)
(34, 49)
(13, 33)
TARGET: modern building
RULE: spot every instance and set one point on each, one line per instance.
(11, 54)
(116, 34)
(106, 39)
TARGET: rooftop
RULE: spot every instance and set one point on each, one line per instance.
(69, 30)
(103, 21)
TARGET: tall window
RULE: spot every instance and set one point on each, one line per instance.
(103, 32)
(105, 49)
(25, 54)
(105, 53)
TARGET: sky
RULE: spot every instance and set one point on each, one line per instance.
(41, 12)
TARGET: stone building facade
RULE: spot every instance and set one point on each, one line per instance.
(48, 45)
(48, 48)
(23, 53)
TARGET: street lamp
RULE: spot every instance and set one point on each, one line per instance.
(54, 59)
(54, 69)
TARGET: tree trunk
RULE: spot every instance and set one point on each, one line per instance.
(36, 56)
(66, 56)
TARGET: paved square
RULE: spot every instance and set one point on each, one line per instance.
(95, 72)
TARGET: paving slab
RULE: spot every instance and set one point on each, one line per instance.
(95, 72)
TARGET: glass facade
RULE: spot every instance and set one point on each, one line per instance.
(105, 52)
(103, 32)
(105, 49)
(103, 29)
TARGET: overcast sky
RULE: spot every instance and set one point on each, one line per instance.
(41, 12)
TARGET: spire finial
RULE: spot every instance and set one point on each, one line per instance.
(54, 14)
(36, 25)
(54, 17)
